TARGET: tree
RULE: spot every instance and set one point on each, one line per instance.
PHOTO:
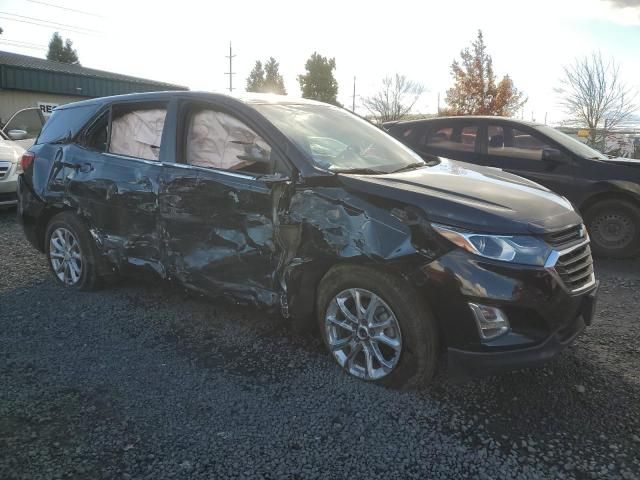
(267, 79)
(255, 80)
(395, 99)
(319, 83)
(60, 51)
(594, 96)
(475, 91)
(273, 82)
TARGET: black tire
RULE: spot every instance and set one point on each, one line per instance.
(418, 357)
(89, 278)
(614, 228)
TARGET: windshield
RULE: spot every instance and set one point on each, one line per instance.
(570, 143)
(339, 141)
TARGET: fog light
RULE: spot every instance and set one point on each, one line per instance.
(492, 322)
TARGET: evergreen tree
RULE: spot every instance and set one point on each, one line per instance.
(319, 83)
(255, 80)
(273, 82)
(60, 51)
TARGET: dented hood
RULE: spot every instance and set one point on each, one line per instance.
(476, 198)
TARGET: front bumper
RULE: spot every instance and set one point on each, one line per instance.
(8, 186)
(464, 363)
(544, 315)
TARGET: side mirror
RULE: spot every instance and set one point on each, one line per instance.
(255, 153)
(17, 134)
(552, 155)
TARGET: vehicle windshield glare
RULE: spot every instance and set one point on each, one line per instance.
(570, 143)
(339, 141)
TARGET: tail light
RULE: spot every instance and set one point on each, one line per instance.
(27, 160)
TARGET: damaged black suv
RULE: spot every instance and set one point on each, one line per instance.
(304, 207)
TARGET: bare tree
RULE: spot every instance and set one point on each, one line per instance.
(594, 96)
(395, 99)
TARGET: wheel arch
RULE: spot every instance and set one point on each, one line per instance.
(612, 192)
(43, 221)
(386, 268)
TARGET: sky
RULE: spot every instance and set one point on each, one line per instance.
(186, 42)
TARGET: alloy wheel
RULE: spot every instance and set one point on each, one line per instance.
(65, 256)
(363, 334)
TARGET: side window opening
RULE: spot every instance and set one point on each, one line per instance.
(215, 139)
(511, 142)
(97, 136)
(461, 139)
(136, 130)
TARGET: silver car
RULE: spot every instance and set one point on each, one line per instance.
(18, 134)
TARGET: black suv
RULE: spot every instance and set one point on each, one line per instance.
(606, 191)
(303, 207)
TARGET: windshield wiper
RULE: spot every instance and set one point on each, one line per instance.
(411, 166)
(366, 171)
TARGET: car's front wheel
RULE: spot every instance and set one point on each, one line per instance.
(376, 327)
(614, 228)
(71, 253)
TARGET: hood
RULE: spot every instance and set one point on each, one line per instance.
(623, 161)
(476, 198)
(10, 152)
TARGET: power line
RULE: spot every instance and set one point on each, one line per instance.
(22, 42)
(22, 45)
(66, 8)
(49, 21)
(47, 24)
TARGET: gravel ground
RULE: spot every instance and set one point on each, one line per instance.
(144, 381)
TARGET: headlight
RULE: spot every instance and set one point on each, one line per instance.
(523, 249)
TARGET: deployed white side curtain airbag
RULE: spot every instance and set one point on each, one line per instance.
(217, 140)
(138, 134)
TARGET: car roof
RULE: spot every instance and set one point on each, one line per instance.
(247, 98)
(464, 118)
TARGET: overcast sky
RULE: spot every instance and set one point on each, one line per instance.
(186, 43)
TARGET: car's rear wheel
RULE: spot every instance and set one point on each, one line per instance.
(376, 327)
(614, 228)
(71, 253)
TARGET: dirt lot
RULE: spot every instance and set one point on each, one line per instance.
(143, 381)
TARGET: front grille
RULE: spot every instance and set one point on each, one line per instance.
(575, 267)
(4, 168)
(564, 238)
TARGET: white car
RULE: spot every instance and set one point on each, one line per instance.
(10, 155)
(18, 134)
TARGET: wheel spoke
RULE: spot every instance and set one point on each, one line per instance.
(341, 324)
(55, 254)
(345, 311)
(57, 245)
(75, 271)
(357, 348)
(66, 272)
(369, 362)
(375, 349)
(340, 343)
(371, 309)
(355, 294)
(59, 267)
(391, 342)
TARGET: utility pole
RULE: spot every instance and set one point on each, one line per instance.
(545, 118)
(231, 73)
(438, 103)
(353, 105)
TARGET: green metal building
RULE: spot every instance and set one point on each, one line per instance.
(34, 82)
